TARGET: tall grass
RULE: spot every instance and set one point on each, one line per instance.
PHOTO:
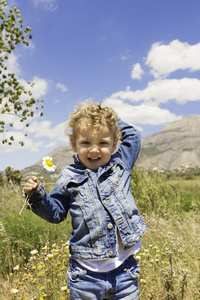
(153, 193)
(20, 234)
(34, 254)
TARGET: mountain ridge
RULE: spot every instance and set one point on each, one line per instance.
(176, 146)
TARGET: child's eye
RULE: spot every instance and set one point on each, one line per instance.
(85, 143)
(103, 143)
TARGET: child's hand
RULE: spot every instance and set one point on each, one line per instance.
(31, 185)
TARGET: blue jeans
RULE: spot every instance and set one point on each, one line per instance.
(120, 283)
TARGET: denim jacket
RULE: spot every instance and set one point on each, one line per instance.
(99, 202)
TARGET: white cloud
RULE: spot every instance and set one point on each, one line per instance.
(13, 65)
(164, 59)
(124, 57)
(141, 114)
(161, 91)
(19, 136)
(44, 129)
(38, 134)
(11, 118)
(137, 72)
(40, 86)
(46, 4)
(62, 87)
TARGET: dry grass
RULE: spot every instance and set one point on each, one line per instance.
(170, 258)
(43, 277)
(169, 265)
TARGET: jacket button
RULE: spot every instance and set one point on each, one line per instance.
(110, 226)
(110, 253)
(105, 202)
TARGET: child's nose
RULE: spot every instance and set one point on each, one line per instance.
(94, 148)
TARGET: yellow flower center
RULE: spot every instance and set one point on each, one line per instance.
(49, 163)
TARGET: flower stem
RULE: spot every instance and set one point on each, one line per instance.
(27, 196)
(40, 172)
(23, 206)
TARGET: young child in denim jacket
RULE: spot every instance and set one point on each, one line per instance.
(107, 226)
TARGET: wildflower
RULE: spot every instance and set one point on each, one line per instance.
(39, 267)
(47, 164)
(16, 281)
(16, 268)
(146, 251)
(50, 255)
(143, 281)
(138, 257)
(33, 252)
(40, 274)
(63, 288)
(14, 291)
(2, 229)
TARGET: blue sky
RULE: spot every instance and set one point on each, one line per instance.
(140, 57)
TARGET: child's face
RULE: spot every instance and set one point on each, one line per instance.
(94, 148)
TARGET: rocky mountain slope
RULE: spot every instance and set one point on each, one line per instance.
(176, 146)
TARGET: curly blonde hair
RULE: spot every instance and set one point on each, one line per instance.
(92, 115)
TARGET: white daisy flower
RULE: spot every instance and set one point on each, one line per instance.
(47, 164)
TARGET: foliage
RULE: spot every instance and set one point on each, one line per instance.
(34, 254)
(15, 99)
(13, 176)
(186, 173)
(153, 194)
(28, 232)
(169, 265)
(43, 277)
(1, 178)
(169, 258)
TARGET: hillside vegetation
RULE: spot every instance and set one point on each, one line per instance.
(34, 254)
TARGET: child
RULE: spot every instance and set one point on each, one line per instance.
(95, 189)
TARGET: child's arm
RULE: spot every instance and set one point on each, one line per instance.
(52, 207)
(130, 144)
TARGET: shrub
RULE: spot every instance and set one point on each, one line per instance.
(153, 193)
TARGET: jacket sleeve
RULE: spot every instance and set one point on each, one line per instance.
(52, 207)
(130, 144)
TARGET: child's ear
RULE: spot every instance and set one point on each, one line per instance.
(73, 143)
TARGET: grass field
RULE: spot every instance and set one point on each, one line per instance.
(34, 254)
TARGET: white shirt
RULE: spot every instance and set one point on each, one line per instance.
(109, 264)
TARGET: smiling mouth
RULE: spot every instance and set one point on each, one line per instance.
(93, 160)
